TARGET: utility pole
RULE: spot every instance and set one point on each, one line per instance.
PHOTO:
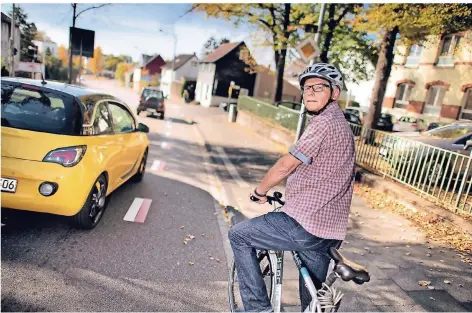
(74, 6)
(74, 17)
(12, 42)
(302, 118)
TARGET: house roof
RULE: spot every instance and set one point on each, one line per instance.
(152, 59)
(7, 19)
(179, 61)
(221, 51)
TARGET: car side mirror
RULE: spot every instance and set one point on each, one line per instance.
(143, 128)
(468, 144)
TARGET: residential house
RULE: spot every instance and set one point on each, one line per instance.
(185, 68)
(221, 67)
(433, 79)
(148, 67)
(43, 46)
(6, 52)
(265, 84)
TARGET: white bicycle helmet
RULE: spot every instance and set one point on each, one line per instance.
(324, 71)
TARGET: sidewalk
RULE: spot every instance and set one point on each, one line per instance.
(396, 254)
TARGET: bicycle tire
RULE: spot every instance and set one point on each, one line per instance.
(266, 265)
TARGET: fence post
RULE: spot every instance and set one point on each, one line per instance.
(464, 180)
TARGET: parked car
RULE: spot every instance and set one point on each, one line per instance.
(436, 150)
(152, 101)
(360, 112)
(65, 149)
(353, 119)
(385, 122)
(289, 104)
(409, 124)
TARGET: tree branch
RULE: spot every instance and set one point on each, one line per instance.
(346, 9)
(93, 7)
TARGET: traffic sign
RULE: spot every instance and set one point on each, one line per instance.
(308, 49)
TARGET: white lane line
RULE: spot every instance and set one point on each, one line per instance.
(133, 209)
(231, 169)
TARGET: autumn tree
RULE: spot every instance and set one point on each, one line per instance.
(112, 61)
(280, 20)
(43, 37)
(406, 24)
(63, 55)
(121, 70)
(96, 63)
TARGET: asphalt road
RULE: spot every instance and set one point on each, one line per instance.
(125, 266)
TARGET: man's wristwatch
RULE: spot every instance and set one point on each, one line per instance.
(258, 194)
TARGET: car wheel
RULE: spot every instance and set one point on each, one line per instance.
(141, 170)
(92, 211)
(161, 116)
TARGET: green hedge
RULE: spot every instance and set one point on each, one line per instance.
(283, 116)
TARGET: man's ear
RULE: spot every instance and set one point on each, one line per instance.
(336, 93)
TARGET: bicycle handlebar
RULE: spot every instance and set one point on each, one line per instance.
(276, 198)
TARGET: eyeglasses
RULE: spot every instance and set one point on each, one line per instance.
(315, 88)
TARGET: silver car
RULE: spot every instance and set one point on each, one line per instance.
(431, 155)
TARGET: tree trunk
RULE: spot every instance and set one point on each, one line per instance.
(280, 58)
(330, 34)
(382, 73)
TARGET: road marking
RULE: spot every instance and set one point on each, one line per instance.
(157, 165)
(231, 169)
(167, 134)
(138, 210)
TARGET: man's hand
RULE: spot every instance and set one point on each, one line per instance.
(262, 200)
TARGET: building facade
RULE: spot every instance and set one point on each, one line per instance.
(6, 26)
(433, 79)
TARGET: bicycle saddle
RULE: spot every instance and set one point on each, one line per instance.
(348, 270)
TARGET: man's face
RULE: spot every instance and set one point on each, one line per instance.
(316, 94)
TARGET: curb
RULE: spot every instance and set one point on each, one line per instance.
(410, 199)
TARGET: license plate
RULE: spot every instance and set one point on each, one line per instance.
(8, 185)
(151, 110)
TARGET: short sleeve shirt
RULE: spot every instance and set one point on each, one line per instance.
(319, 192)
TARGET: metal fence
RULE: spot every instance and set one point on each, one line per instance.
(442, 176)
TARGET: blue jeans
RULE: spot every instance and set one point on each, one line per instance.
(275, 231)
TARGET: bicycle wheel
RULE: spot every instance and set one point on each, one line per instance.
(266, 265)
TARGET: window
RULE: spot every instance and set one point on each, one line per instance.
(435, 96)
(448, 48)
(123, 121)
(413, 58)
(39, 110)
(102, 123)
(403, 95)
(467, 105)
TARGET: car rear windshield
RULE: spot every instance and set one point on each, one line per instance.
(449, 132)
(36, 109)
(147, 93)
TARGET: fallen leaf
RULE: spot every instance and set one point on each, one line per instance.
(191, 263)
(367, 248)
(429, 248)
(447, 282)
(421, 262)
(432, 298)
(346, 242)
(182, 227)
(431, 287)
(218, 260)
(191, 237)
(212, 258)
(441, 261)
(362, 253)
(428, 254)
(460, 285)
(408, 253)
(211, 238)
(407, 246)
(203, 234)
(424, 283)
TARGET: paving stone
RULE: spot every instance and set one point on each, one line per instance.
(443, 302)
(386, 292)
(400, 308)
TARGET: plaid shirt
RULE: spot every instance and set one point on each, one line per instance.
(318, 193)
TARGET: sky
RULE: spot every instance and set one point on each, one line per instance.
(133, 29)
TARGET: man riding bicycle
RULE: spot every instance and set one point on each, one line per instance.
(320, 172)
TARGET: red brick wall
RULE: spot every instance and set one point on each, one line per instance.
(450, 111)
(436, 83)
(388, 102)
(416, 106)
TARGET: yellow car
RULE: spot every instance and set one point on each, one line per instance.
(65, 149)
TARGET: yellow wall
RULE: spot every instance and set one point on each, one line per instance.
(422, 74)
(264, 87)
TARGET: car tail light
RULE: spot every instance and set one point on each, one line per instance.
(69, 156)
